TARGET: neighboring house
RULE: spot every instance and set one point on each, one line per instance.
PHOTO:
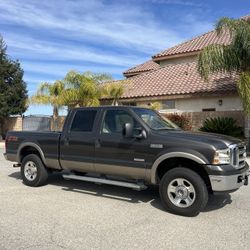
(177, 85)
(171, 78)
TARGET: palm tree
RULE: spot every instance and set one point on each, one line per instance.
(83, 89)
(234, 57)
(113, 90)
(52, 94)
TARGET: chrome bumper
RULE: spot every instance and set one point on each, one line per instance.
(220, 183)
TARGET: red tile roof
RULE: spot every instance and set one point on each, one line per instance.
(178, 79)
(194, 45)
(246, 17)
(147, 66)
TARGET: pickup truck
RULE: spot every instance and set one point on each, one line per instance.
(133, 147)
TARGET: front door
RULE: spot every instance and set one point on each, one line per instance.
(115, 154)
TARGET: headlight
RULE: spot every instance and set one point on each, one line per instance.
(222, 156)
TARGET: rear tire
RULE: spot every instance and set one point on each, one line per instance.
(183, 192)
(33, 171)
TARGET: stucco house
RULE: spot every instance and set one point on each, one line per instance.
(171, 78)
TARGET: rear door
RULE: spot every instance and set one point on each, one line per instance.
(77, 143)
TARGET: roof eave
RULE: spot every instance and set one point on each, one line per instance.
(173, 56)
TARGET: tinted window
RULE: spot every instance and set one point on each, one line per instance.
(84, 121)
(115, 120)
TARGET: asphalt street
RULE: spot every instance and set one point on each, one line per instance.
(78, 215)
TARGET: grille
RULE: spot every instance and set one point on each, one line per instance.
(238, 155)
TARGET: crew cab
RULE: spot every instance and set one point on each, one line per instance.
(133, 147)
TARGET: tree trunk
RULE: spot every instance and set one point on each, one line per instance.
(247, 132)
(2, 132)
(55, 117)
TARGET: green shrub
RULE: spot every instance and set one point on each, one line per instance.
(222, 125)
(181, 121)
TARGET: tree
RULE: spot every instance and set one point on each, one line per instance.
(234, 57)
(13, 92)
(52, 94)
(113, 90)
(83, 89)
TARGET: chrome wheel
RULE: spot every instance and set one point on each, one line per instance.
(181, 192)
(30, 171)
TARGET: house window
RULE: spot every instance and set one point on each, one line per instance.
(129, 103)
(168, 104)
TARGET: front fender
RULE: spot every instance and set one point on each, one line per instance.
(187, 155)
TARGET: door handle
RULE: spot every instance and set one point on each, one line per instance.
(66, 141)
(97, 143)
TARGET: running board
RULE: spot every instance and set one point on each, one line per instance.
(136, 186)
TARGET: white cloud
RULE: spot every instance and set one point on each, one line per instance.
(128, 26)
(58, 70)
(118, 35)
(29, 48)
(178, 2)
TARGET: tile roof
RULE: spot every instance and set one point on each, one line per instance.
(246, 17)
(178, 79)
(147, 66)
(195, 44)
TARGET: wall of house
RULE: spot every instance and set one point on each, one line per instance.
(229, 103)
(178, 60)
(11, 123)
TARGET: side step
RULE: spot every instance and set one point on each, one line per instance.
(136, 186)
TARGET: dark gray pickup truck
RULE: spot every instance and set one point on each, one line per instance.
(133, 147)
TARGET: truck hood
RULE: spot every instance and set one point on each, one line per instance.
(217, 140)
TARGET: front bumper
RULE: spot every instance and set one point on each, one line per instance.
(226, 181)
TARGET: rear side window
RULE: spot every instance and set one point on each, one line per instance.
(83, 121)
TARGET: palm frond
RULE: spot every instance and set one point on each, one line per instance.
(39, 99)
(113, 91)
(217, 58)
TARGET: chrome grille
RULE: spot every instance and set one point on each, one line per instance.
(238, 155)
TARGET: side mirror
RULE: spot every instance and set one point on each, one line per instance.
(128, 130)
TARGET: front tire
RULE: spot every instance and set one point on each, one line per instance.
(183, 192)
(33, 171)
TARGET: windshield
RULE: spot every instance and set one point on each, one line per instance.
(155, 120)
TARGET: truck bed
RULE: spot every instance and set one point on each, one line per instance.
(48, 142)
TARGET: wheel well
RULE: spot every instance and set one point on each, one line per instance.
(27, 151)
(171, 163)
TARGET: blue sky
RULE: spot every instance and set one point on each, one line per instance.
(52, 37)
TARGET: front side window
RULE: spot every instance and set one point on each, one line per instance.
(83, 121)
(154, 120)
(115, 120)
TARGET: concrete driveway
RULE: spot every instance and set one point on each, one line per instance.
(77, 215)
